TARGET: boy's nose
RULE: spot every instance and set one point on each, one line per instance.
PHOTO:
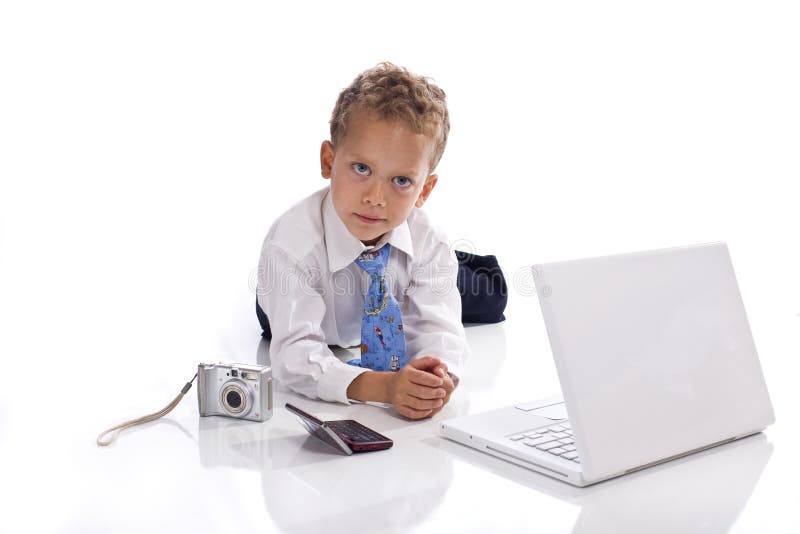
(374, 193)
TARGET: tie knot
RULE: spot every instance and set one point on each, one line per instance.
(374, 261)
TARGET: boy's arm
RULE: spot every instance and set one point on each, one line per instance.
(300, 357)
(432, 316)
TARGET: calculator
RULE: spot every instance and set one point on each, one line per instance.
(346, 435)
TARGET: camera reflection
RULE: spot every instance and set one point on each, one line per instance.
(300, 473)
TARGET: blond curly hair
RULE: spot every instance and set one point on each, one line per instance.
(394, 93)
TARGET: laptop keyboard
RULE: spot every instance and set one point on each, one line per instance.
(555, 439)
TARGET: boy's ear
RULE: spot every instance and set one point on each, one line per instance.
(430, 183)
(326, 158)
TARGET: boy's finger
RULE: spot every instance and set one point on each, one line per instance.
(422, 378)
(413, 413)
(448, 383)
(425, 363)
(424, 392)
(423, 404)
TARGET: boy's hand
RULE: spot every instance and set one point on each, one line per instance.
(419, 389)
(448, 385)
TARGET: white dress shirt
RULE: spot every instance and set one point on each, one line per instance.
(313, 294)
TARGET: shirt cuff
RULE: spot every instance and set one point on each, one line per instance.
(333, 384)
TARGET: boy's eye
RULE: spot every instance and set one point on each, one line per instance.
(402, 181)
(361, 169)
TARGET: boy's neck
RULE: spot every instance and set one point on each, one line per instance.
(373, 242)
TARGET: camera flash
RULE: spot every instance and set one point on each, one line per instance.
(247, 375)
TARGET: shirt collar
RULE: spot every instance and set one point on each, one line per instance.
(343, 247)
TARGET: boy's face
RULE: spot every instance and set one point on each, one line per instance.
(379, 172)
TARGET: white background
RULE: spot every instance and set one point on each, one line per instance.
(145, 148)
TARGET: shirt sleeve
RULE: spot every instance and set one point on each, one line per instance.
(300, 357)
(432, 320)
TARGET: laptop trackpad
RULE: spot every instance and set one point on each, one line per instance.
(554, 411)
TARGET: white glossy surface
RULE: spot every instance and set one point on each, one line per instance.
(216, 474)
(145, 148)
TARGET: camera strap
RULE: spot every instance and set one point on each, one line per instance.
(146, 419)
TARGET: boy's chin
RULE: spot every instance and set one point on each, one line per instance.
(367, 238)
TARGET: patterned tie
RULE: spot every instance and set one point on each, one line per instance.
(383, 343)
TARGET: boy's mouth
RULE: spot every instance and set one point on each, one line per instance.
(367, 219)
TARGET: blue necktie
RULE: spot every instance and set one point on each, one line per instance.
(383, 343)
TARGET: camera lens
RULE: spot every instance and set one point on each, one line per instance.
(233, 399)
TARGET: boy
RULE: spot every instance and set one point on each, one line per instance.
(358, 263)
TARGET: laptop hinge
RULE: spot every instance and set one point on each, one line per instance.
(681, 455)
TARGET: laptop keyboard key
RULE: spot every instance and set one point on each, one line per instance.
(556, 440)
(540, 441)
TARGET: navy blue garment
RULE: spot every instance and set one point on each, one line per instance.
(266, 331)
(483, 288)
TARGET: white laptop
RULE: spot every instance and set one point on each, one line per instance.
(656, 361)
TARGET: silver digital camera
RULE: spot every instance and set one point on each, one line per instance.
(237, 390)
